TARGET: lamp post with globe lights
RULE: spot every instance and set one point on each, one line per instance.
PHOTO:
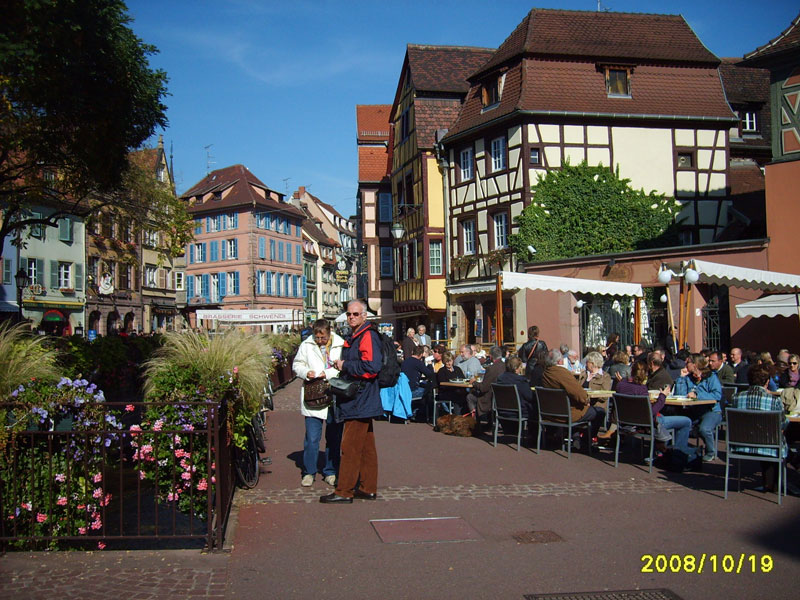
(688, 276)
(22, 280)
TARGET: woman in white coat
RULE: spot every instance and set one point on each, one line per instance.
(315, 357)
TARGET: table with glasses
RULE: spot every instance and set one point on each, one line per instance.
(458, 383)
(684, 401)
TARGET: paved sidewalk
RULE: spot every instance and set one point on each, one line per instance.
(284, 544)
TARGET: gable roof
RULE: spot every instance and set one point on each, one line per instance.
(788, 40)
(373, 163)
(744, 84)
(431, 114)
(237, 183)
(372, 122)
(444, 68)
(602, 35)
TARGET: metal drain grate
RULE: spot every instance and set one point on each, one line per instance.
(537, 537)
(656, 594)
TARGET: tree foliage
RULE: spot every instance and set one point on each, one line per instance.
(584, 210)
(77, 94)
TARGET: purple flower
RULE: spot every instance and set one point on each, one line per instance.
(64, 381)
(91, 388)
(15, 393)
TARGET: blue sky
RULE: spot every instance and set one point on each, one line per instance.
(273, 85)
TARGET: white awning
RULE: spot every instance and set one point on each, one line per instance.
(753, 279)
(530, 281)
(777, 305)
(251, 316)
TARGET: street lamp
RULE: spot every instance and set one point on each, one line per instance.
(22, 281)
(398, 231)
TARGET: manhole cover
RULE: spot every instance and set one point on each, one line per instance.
(432, 529)
(657, 594)
(537, 537)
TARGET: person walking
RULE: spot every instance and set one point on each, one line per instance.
(314, 360)
(361, 361)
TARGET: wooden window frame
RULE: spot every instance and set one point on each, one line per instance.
(493, 237)
(538, 149)
(463, 236)
(460, 167)
(628, 70)
(490, 155)
(692, 152)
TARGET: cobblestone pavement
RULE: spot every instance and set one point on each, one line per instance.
(472, 492)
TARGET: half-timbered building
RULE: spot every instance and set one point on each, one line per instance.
(430, 91)
(635, 92)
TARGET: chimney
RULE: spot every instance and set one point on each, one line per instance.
(301, 191)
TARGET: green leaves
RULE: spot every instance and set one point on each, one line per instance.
(584, 210)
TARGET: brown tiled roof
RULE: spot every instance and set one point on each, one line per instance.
(745, 177)
(578, 88)
(444, 68)
(146, 158)
(372, 122)
(432, 114)
(317, 234)
(787, 41)
(372, 164)
(632, 37)
(744, 84)
(242, 181)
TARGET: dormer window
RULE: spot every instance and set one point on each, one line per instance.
(217, 195)
(618, 81)
(492, 91)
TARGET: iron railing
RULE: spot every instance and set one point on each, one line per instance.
(125, 474)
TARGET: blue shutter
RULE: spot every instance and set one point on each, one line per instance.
(190, 286)
(208, 224)
(258, 282)
(236, 283)
(191, 254)
(297, 230)
(305, 287)
(39, 271)
(206, 287)
(235, 248)
(262, 247)
(65, 230)
(205, 252)
(272, 249)
(294, 286)
(269, 283)
(298, 254)
(222, 284)
(268, 222)
(280, 251)
(224, 251)
(235, 220)
(278, 281)
(214, 252)
(54, 274)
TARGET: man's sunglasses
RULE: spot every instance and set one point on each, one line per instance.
(353, 314)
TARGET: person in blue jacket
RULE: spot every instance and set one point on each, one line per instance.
(699, 381)
(361, 360)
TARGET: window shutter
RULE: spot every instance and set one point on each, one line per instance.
(208, 223)
(235, 220)
(236, 283)
(79, 276)
(190, 286)
(262, 247)
(280, 251)
(205, 251)
(162, 279)
(298, 258)
(277, 284)
(39, 271)
(54, 274)
(235, 248)
(272, 249)
(223, 277)
(305, 286)
(7, 271)
(65, 230)
(198, 227)
(191, 254)
(258, 282)
(206, 287)
(214, 252)
(224, 250)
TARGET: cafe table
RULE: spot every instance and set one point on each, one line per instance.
(684, 401)
(457, 383)
(793, 418)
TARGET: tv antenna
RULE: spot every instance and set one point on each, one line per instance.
(209, 158)
(286, 184)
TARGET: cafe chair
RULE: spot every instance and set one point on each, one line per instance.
(507, 406)
(755, 429)
(554, 411)
(446, 404)
(728, 392)
(634, 412)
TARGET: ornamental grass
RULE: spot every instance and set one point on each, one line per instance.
(24, 359)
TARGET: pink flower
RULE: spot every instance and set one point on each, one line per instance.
(27, 506)
(235, 370)
(60, 477)
(177, 439)
(172, 497)
(202, 484)
(62, 501)
(98, 493)
(142, 474)
(82, 530)
(180, 453)
(98, 478)
(147, 449)
(81, 506)
(101, 546)
(130, 408)
(158, 425)
(213, 479)
(135, 429)
(96, 524)
(186, 475)
(41, 517)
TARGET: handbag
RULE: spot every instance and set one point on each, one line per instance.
(316, 393)
(344, 389)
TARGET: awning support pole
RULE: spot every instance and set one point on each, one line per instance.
(499, 316)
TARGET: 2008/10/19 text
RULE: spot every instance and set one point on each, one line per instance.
(709, 563)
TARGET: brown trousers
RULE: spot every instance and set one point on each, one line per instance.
(359, 458)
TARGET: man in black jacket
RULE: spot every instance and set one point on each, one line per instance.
(420, 379)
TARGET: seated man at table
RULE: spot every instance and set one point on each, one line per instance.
(756, 397)
(700, 382)
(558, 377)
(658, 376)
(515, 375)
(480, 398)
(467, 362)
(420, 376)
(449, 372)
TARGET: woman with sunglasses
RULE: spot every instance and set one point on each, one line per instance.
(791, 376)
